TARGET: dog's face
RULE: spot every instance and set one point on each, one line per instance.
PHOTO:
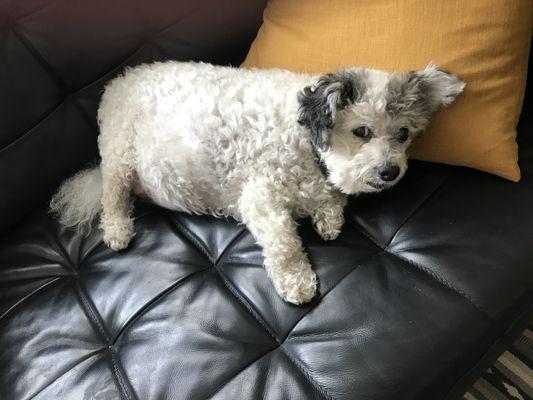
(362, 121)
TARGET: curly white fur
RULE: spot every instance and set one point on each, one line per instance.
(204, 139)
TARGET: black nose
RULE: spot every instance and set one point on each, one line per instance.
(389, 172)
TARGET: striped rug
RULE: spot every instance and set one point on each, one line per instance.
(511, 376)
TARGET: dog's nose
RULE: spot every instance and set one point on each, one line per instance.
(389, 172)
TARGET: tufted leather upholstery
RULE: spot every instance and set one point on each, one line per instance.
(426, 284)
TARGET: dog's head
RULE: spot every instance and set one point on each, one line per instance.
(362, 121)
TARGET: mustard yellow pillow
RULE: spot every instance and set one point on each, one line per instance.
(484, 42)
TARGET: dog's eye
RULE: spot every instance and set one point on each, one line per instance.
(362, 132)
(403, 135)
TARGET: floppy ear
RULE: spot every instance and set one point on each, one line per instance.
(440, 88)
(319, 104)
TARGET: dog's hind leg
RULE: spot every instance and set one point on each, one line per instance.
(274, 228)
(118, 176)
(116, 220)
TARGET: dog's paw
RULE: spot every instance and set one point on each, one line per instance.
(117, 244)
(327, 227)
(118, 236)
(296, 286)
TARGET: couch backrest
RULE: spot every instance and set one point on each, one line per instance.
(55, 57)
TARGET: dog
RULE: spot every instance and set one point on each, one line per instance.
(265, 147)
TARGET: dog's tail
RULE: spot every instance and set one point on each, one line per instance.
(78, 200)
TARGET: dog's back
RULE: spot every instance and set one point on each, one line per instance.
(196, 132)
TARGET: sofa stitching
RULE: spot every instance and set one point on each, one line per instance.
(443, 281)
(249, 309)
(423, 203)
(119, 374)
(96, 319)
(195, 240)
(142, 310)
(38, 10)
(56, 243)
(71, 367)
(366, 234)
(26, 134)
(322, 390)
(428, 272)
(244, 368)
(359, 264)
(340, 334)
(91, 312)
(28, 296)
(230, 245)
(229, 286)
(56, 77)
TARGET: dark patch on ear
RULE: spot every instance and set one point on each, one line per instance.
(407, 92)
(320, 103)
(423, 91)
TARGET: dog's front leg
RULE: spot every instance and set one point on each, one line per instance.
(328, 216)
(274, 228)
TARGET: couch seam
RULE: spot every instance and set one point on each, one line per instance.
(421, 205)
(443, 281)
(141, 311)
(320, 389)
(56, 78)
(436, 277)
(225, 281)
(95, 318)
(225, 382)
(24, 16)
(30, 295)
(119, 374)
(222, 256)
(92, 314)
(192, 238)
(20, 138)
(359, 264)
(79, 361)
(249, 309)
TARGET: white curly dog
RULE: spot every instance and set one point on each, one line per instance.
(263, 146)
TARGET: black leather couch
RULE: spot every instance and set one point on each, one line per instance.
(426, 286)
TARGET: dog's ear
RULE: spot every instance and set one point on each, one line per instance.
(319, 104)
(438, 88)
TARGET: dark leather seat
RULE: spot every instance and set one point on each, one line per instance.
(426, 285)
